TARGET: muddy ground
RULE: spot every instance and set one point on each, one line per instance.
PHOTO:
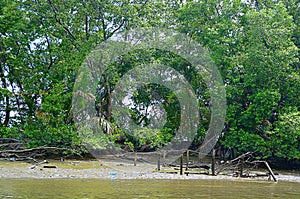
(107, 170)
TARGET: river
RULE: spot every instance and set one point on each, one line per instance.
(143, 188)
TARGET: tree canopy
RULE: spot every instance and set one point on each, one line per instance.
(254, 44)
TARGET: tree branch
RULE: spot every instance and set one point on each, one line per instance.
(118, 28)
(59, 21)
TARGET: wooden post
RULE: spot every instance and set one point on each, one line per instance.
(164, 158)
(213, 162)
(158, 164)
(187, 159)
(181, 164)
(241, 168)
(135, 158)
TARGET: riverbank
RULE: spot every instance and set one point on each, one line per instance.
(107, 170)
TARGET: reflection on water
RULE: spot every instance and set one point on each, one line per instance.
(95, 188)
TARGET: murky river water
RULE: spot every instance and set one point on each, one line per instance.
(95, 188)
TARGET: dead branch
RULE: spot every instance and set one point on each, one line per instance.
(241, 157)
(34, 149)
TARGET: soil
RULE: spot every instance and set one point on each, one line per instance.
(108, 169)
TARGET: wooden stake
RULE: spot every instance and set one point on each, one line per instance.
(187, 159)
(241, 167)
(181, 164)
(158, 164)
(135, 158)
(164, 158)
(213, 162)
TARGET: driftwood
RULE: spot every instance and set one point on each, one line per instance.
(14, 149)
(239, 162)
(34, 149)
(268, 167)
(30, 154)
(10, 143)
(248, 154)
(38, 163)
(235, 163)
(9, 140)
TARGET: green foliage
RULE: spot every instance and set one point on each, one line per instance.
(50, 135)
(147, 98)
(285, 138)
(255, 46)
(42, 44)
(12, 132)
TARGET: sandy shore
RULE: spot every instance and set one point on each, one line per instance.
(105, 170)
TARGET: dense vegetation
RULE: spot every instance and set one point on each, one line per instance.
(254, 43)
